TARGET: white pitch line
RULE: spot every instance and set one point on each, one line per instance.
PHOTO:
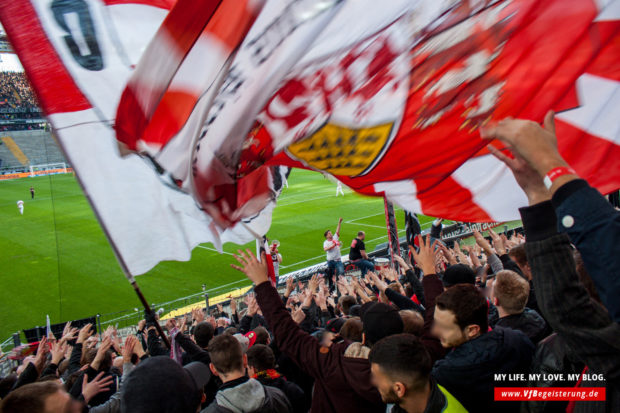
(297, 263)
(286, 196)
(229, 284)
(368, 216)
(365, 225)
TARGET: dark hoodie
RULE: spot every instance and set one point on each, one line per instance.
(528, 322)
(467, 372)
(291, 390)
(341, 372)
(246, 395)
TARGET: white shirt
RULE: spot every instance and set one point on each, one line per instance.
(20, 203)
(334, 253)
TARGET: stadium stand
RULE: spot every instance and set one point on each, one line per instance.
(14, 149)
(23, 148)
(18, 106)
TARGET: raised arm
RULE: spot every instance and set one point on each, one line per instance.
(592, 224)
(585, 325)
(338, 227)
(290, 339)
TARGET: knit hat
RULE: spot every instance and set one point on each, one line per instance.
(458, 274)
(159, 384)
(380, 320)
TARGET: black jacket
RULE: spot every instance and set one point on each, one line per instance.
(467, 372)
(583, 324)
(293, 392)
(529, 322)
(552, 357)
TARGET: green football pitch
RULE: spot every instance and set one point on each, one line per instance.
(56, 260)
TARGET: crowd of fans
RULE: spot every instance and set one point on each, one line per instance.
(14, 88)
(17, 102)
(437, 333)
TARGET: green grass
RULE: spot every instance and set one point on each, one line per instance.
(56, 260)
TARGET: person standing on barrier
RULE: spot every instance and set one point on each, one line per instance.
(331, 246)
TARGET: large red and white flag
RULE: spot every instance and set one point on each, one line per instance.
(398, 113)
(387, 97)
(79, 56)
(390, 99)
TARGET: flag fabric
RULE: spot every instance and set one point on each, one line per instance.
(392, 105)
(79, 56)
(386, 97)
(398, 114)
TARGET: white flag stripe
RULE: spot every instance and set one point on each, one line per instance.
(492, 186)
(598, 113)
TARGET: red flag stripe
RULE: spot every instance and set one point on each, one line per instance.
(155, 109)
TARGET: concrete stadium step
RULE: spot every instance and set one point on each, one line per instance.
(12, 146)
(8, 159)
(38, 146)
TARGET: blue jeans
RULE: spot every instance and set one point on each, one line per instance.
(333, 268)
(364, 265)
(335, 265)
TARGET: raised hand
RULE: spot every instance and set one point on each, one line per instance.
(253, 269)
(425, 259)
(69, 334)
(473, 256)
(389, 274)
(321, 300)
(401, 261)
(127, 350)
(66, 330)
(198, 315)
(298, 315)
(41, 356)
(483, 243)
(252, 306)
(448, 254)
(381, 286)
(535, 144)
(96, 386)
(103, 348)
(290, 286)
(58, 352)
(498, 243)
(460, 254)
(171, 324)
(233, 305)
(84, 333)
(313, 283)
(331, 302)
